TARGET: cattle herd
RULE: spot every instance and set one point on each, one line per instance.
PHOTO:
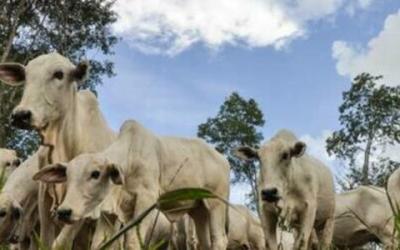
(86, 181)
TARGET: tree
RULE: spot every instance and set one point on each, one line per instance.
(237, 123)
(370, 120)
(33, 27)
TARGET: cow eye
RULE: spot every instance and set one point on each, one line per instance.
(95, 174)
(2, 213)
(8, 164)
(58, 75)
(285, 156)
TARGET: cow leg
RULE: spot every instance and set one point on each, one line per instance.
(325, 235)
(190, 232)
(201, 218)
(307, 219)
(219, 239)
(385, 235)
(269, 223)
(174, 241)
(105, 228)
(144, 200)
(67, 235)
(47, 226)
(314, 242)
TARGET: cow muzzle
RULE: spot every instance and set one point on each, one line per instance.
(21, 119)
(270, 195)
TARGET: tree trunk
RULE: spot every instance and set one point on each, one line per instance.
(7, 94)
(13, 30)
(254, 191)
(367, 154)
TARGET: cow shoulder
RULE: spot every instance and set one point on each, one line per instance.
(88, 98)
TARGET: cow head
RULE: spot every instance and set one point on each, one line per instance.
(88, 178)
(10, 214)
(277, 161)
(50, 85)
(8, 162)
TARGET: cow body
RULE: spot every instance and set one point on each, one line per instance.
(17, 198)
(363, 215)
(147, 166)
(245, 230)
(295, 188)
(393, 188)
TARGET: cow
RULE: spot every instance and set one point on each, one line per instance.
(146, 165)
(363, 215)
(295, 188)
(393, 189)
(9, 161)
(68, 120)
(17, 198)
(245, 231)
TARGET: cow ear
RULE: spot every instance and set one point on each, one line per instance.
(56, 173)
(298, 149)
(245, 153)
(12, 73)
(81, 72)
(114, 174)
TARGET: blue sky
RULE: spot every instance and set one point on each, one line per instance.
(171, 81)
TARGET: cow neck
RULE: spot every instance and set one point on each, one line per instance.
(82, 129)
(62, 134)
(19, 194)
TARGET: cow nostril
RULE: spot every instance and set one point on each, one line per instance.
(17, 162)
(16, 213)
(270, 194)
(270, 191)
(21, 119)
(64, 214)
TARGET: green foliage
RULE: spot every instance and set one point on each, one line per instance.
(370, 120)
(237, 123)
(30, 28)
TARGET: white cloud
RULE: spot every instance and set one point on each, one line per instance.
(354, 5)
(380, 57)
(171, 26)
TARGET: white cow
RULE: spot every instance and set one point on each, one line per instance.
(147, 166)
(17, 193)
(393, 188)
(363, 215)
(9, 161)
(295, 188)
(68, 119)
(245, 231)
